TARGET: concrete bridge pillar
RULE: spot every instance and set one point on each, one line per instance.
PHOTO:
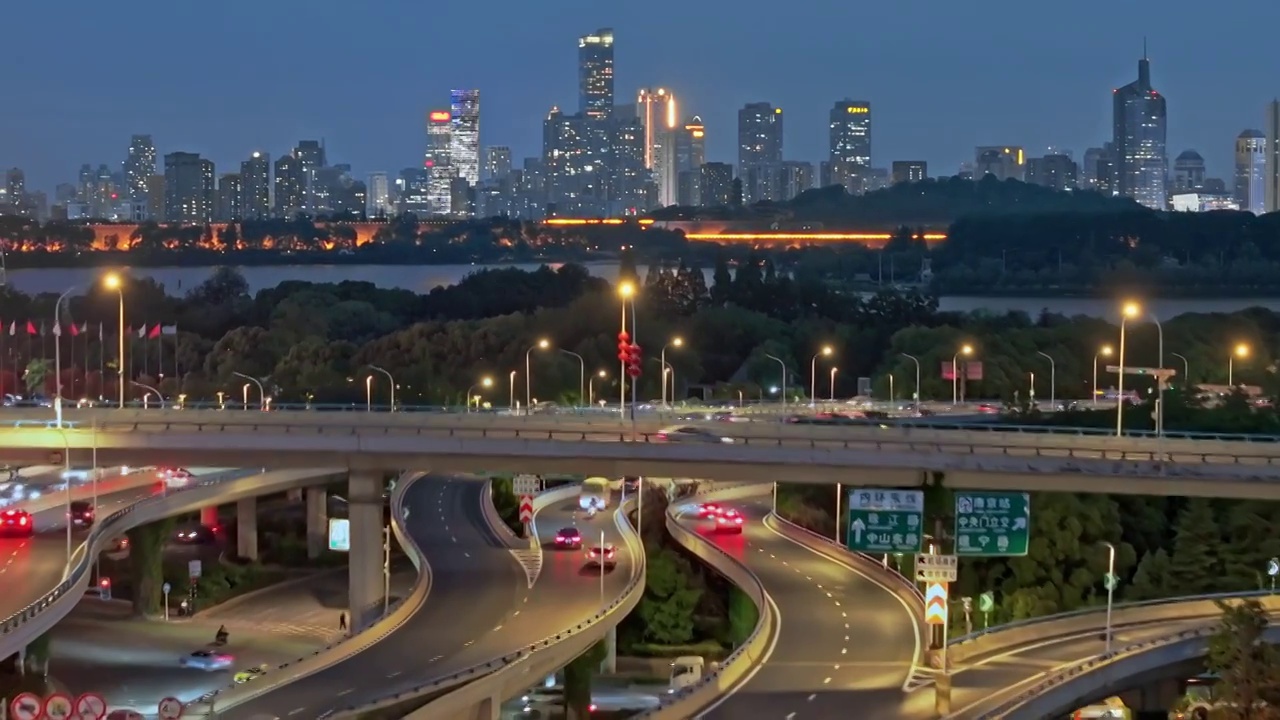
(317, 521)
(364, 564)
(209, 516)
(247, 528)
(610, 664)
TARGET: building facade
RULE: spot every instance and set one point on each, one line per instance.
(1251, 171)
(909, 171)
(438, 162)
(189, 189)
(497, 162)
(464, 135)
(1055, 171)
(1139, 134)
(759, 150)
(139, 165)
(1003, 162)
(595, 74)
(1271, 185)
(656, 110)
(255, 182)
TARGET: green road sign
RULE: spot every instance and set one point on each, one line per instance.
(987, 601)
(885, 520)
(992, 523)
(1111, 581)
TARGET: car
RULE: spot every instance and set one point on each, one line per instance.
(252, 673)
(119, 544)
(17, 522)
(604, 556)
(206, 660)
(630, 483)
(688, 434)
(729, 521)
(568, 538)
(81, 513)
(195, 535)
(708, 510)
(175, 477)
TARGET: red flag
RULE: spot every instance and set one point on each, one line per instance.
(155, 332)
(74, 330)
(31, 328)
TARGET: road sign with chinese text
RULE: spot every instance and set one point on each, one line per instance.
(992, 523)
(936, 568)
(340, 534)
(525, 484)
(885, 520)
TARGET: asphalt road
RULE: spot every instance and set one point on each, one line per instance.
(32, 566)
(845, 645)
(480, 605)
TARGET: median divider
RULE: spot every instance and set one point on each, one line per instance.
(688, 702)
(1063, 689)
(219, 701)
(496, 524)
(1000, 638)
(488, 683)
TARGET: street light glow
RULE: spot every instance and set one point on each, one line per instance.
(826, 350)
(486, 382)
(1105, 351)
(601, 374)
(626, 289)
(111, 281)
(677, 341)
(1132, 310)
(1242, 350)
(966, 350)
(544, 343)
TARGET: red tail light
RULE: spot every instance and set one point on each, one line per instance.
(22, 520)
(559, 539)
(661, 436)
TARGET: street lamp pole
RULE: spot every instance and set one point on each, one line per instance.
(784, 377)
(1105, 350)
(1053, 380)
(148, 388)
(676, 341)
(833, 385)
(955, 374)
(1129, 311)
(915, 360)
(813, 374)
(1240, 350)
(113, 282)
(528, 379)
(1186, 368)
(591, 390)
(390, 380)
(262, 393)
(368, 393)
(57, 360)
(582, 374)
(1111, 587)
(511, 404)
(484, 382)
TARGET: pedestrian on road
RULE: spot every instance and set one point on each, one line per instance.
(342, 621)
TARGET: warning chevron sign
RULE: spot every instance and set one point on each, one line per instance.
(526, 509)
(935, 604)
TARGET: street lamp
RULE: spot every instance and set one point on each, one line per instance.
(1053, 380)
(57, 358)
(813, 372)
(1240, 351)
(833, 388)
(627, 292)
(591, 390)
(390, 380)
(1104, 351)
(261, 392)
(368, 392)
(582, 374)
(965, 350)
(784, 377)
(675, 342)
(1110, 583)
(1186, 368)
(148, 388)
(511, 404)
(113, 282)
(484, 382)
(244, 395)
(542, 344)
(915, 360)
(1130, 310)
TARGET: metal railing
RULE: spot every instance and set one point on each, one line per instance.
(628, 597)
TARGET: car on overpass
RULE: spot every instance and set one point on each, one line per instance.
(251, 674)
(729, 521)
(689, 434)
(604, 556)
(594, 494)
(207, 660)
(81, 513)
(568, 538)
(16, 522)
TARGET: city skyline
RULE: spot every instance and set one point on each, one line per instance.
(534, 71)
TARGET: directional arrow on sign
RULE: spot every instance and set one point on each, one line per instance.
(858, 526)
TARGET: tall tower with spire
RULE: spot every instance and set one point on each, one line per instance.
(1139, 132)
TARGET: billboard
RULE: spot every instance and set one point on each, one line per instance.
(969, 369)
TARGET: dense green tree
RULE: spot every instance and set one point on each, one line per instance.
(1247, 666)
(1195, 565)
(669, 602)
(1152, 579)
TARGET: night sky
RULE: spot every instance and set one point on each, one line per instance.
(229, 77)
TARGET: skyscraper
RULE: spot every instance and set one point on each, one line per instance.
(1271, 189)
(759, 150)
(188, 186)
(229, 203)
(437, 163)
(1139, 130)
(850, 128)
(1251, 171)
(464, 134)
(656, 109)
(255, 187)
(289, 190)
(595, 74)
(1188, 172)
(497, 162)
(691, 145)
(379, 200)
(139, 165)
(1004, 162)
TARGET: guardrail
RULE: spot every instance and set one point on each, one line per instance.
(1001, 637)
(1055, 693)
(496, 524)
(458, 690)
(687, 702)
(225, 698)
(23, 626)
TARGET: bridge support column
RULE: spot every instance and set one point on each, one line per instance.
(209, 516)
(942, 695)
(317, 521)
(610, 664)
(247, 528)
(364, 566)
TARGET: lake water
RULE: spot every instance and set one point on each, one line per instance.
(422, 278)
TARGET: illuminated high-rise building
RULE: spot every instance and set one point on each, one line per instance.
(437, 163)
(595, 74)
(656, 110)
(691, 155)
(1139, 130)
(759, 151)
(1003, 162)
(497, 162)
(255, 187)
(189, 191)
(379, 198)
(228, 204)
(1251, 171)
(1271, 185)
(139, 165)
(850, 133)
(464, 135)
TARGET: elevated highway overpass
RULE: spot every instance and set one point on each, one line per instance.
(757, 453)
